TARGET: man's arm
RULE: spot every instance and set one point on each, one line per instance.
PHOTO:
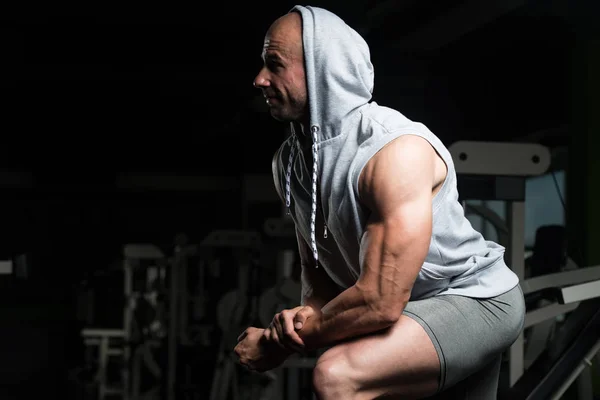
(396, 185)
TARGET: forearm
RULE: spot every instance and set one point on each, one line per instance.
(315, 302)
(378, 298)
(352, 313)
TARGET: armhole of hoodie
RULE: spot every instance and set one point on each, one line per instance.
(382, 141)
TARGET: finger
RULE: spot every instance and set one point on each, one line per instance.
(293, 341)
(277, 325)
(289, 343)
(242, 335)
(287, 322)
(275, 337)
(267, 335)
(273, 334)
(301, 317)
(291, 337)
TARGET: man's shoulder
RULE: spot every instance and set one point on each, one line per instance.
(382, 117)
(380, 120)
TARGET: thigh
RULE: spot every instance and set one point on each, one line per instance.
(401, 360)
(468, 334)
(481, 385)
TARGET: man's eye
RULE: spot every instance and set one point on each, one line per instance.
(272, 64)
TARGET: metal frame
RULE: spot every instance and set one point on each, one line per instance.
(581, 367)
(489, 158)
(102, 338)
(571, 277)
(225, 376)
(581, 292)
(131, 252)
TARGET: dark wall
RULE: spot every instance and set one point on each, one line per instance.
(506, 80)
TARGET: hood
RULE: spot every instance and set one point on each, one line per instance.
(339, 72)
(339, 79)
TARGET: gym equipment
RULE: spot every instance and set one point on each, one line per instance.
(109, 343)
(143, 267)
(575, 342)
(178, 307)
(499, 159)
(209, 308)
(484, 174)
(497, 171)
(566, 358)
(145, 315)
(237, 309)
(286, 293)
(492, 218)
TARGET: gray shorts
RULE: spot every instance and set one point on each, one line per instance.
(470, 336)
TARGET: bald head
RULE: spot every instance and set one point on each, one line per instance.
(286, 34)
(282, 78)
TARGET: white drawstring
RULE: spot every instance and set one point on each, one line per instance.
(313, 214)
(288, 173)
(288, 176)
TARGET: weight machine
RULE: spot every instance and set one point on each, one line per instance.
(236, 310)
(285, 294)
(207, 319)
(497, 171)
(132, 347)
(145, 319)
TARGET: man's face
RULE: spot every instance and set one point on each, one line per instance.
(282, 78)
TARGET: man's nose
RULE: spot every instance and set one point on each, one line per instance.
(260, 81)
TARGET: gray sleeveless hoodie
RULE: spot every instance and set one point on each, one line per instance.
(347, 129)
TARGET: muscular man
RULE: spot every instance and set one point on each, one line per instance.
(405, 296)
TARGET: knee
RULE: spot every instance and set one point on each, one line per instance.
(332, 379)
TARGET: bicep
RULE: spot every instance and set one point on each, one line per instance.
(394, 248)
(397, 188)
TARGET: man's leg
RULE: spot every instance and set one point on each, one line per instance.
(400, 362)
(438, 343)
(482, 385)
